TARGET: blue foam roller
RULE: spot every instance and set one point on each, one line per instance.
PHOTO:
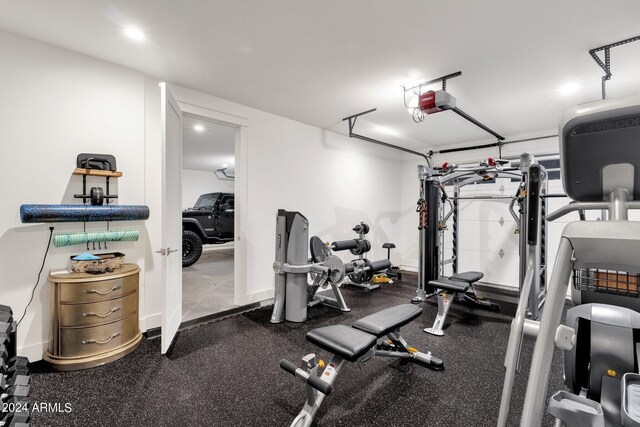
(82, 213)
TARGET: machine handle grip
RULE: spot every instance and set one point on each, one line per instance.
(533, 203)
(312, 380)
(343, 245)
(382, 264)
(288, 366)
(318, 384)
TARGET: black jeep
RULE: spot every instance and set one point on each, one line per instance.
(210, 222)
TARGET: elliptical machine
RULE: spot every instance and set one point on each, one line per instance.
(600, 164)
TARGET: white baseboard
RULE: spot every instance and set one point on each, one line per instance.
(267, 302)
(259, 296)
(408, 268)
(33, 351)
(150, 322)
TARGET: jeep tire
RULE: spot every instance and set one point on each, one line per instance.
(191, 248)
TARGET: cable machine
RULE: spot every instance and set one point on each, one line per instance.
(433, 217)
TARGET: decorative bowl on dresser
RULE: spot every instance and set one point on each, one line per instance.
(94, 318)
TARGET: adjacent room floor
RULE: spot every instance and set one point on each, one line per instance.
(207, 285)
(226, 373)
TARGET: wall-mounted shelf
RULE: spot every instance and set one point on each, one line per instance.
(32, 213)
(97, 172)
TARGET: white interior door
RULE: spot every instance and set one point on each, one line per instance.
(171, 251)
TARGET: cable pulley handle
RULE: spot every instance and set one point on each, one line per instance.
(422, 211)
(533, 203)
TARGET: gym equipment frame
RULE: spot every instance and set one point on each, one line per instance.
(293, 294)
(603, 135)
(359, 277)
(376, 335)
(433, 224)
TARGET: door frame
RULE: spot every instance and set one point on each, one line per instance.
(241, 124)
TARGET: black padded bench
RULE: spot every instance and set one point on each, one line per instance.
(341, 340)
(388, 320)
(468, 276)
(359, 344)
(461, 286)
(450, 285)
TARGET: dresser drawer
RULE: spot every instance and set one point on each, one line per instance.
(95, 291)
(98, 313)
(81, 342)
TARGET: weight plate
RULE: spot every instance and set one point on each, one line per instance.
(319, 251)
(363, 247)
(337, 269)
(364, 275)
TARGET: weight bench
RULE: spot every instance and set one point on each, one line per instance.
(460, 287)
(358, 344)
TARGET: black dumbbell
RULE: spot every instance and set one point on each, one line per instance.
(8, 337)
(16, 364)
(16, 391)
(17, 361)
(15, 419)
(16, 380)
(6, 316)
(5, 345)
(12, 377)
(19, 402)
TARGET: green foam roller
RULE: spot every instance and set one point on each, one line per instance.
(100, 236)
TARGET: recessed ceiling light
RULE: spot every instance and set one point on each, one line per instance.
(198, 128)
(386, 131)
(224, 165)
(134, 34)
(569, 88)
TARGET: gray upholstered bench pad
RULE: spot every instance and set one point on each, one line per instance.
(342, 340)
(450, 285)
(388, 320)
(468, 276)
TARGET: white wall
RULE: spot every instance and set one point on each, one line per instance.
(57, 104)
(196, 183)
(333, 180)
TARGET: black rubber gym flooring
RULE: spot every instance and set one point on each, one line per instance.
(226, 373)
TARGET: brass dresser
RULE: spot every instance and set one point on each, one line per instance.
(94, 318)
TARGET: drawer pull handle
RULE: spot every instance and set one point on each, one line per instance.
(109, 313)
(117, 334)
(95, 291)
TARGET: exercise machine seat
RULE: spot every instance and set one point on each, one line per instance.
(388, 246)
(343, 341)
(388, 320)
(450, 285)
(468, 276)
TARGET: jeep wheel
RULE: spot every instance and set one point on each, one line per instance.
(191, 248)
